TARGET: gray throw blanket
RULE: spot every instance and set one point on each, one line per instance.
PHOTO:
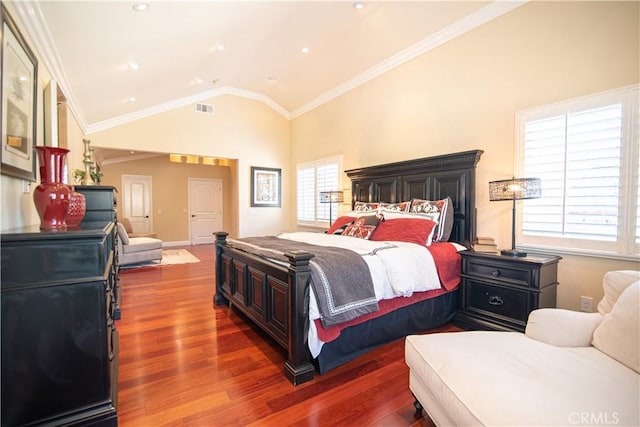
(340, 278)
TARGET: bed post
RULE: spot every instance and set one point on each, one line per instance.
(221, 240)
(298, 368)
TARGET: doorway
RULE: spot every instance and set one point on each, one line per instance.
(205, 210)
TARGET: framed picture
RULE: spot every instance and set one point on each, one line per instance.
(265, 187)
(18, 107)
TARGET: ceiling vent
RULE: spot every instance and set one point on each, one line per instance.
(204, 108)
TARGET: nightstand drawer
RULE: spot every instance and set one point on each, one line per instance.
(494, 300)
(499, 271)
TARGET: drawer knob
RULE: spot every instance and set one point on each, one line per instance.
(495, 300)
(495, 273)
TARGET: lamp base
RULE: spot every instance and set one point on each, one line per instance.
(513, 252)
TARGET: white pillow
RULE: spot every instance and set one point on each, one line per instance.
(618, 335)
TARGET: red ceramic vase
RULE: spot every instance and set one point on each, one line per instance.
(51, 196)
(77, 208)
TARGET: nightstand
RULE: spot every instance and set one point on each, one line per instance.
(498, 292)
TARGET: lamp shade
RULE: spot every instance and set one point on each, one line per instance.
(331, 196)
(515, 189)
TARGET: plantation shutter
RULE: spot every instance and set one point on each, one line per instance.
(577, 156)
(312, 178)
(586, 152)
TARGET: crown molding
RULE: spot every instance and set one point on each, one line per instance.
(458, 28)
(167, 106)
(130, 158)
(36, 26)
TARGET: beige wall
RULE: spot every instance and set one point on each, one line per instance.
(242, 129)
(169, 198)
(464, 95)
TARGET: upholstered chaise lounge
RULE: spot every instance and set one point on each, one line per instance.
(134, 250)
(568, 368)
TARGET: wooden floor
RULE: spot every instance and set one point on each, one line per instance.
(185, 362)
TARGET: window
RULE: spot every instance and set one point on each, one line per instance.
(312, 178)
(586, 153)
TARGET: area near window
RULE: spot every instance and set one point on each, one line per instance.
(312, 178)
(586, 153)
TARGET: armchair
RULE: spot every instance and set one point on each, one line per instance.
(134, 250)
(568, 368)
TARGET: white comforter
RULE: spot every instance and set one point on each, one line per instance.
(397, 269)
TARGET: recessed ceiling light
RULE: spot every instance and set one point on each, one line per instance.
(220, 47)
(131, 99)
(305, 50)
(140, 7)
(358, 5)
(199, 81)
(134, 66)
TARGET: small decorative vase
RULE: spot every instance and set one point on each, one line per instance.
(51, 196)
(77, 208)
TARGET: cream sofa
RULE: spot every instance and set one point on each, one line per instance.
(135, 250)
(568, 368)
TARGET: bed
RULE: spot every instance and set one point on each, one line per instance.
(275, 295)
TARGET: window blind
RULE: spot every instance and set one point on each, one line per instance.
(312, 178)
(586, 155)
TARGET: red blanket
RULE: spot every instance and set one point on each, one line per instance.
(448, 263)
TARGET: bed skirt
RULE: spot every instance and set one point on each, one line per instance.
(412, 319)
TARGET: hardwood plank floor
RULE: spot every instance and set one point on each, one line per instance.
(185, 362)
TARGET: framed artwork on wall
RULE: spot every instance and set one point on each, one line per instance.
(18, 107)
(265, 187)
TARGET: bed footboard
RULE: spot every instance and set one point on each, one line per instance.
(275, 297)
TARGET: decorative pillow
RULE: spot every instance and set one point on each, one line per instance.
(362, 228)
(396, 207)
(444, 207)
(412, 230)
(340, 224)
(365, 207)
(618, 335)
(433, 216)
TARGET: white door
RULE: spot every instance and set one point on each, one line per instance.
(205, 209)
(136, 202)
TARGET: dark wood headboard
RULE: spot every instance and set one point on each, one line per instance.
(430, 178)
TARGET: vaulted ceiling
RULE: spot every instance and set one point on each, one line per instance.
(189, 51)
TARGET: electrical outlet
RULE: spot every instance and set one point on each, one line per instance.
(586, 304)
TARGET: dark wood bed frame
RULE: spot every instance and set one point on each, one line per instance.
(276, 297)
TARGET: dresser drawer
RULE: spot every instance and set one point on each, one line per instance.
(499, 271)
(512, 304)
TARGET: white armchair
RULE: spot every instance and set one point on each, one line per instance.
(568, 368)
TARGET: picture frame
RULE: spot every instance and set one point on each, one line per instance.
(18, 107)
(266, 186)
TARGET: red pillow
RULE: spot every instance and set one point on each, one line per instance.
(412, 230)
(339, 222)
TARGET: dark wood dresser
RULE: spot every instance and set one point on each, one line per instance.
(102, 205)
(59, 340)
(101, 202)
(498, 292)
